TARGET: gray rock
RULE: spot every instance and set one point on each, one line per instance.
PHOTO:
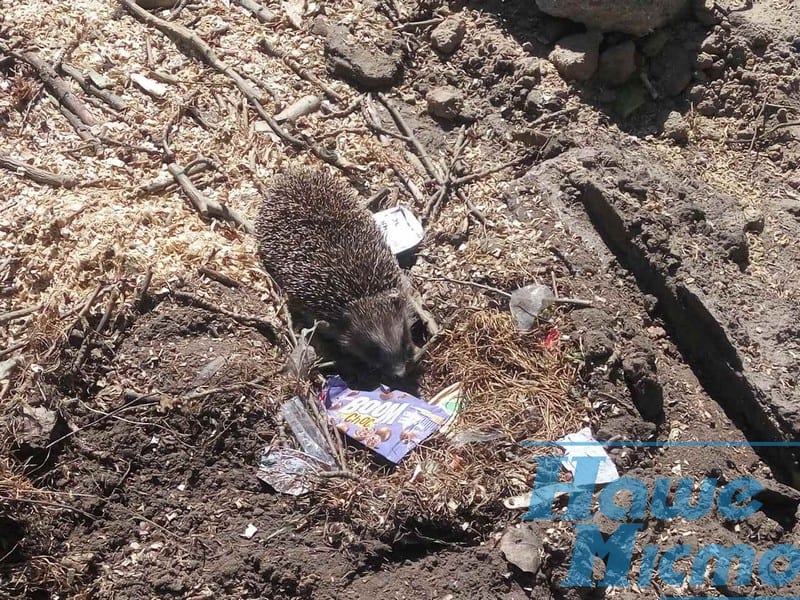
(445, 102)
(713, 44)
(676, 127)
(359, 62)
(7, 367)
(534, 101)
(671, 70)
(448, 35)
(791, 206)
(522, 547)
(577, 56)
(529, 66)
(618, 63)
(637, 17)
(36, 428)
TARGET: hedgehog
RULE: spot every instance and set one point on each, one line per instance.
(333, 264)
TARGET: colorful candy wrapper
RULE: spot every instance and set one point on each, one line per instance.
(390, 422)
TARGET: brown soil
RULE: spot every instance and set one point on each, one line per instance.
(688, 251)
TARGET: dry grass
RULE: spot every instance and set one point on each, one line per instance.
(20, 500)
(515, 385)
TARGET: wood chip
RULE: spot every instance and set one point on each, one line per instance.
(149, 86)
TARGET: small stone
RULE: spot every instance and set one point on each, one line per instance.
(522, 547)
(36, 428)
(775, 153)
(7, 367)
(749, 78)
(79, 562)
(448, 35)
(676, 127)
(704, 61)
(712, 45)
(99, 80)
(576, 56)
(534, 101)
(530, 66)
(791, 206)
(617, 64)
(445, 102)
(707, 108)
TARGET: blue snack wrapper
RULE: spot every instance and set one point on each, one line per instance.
(390, 422)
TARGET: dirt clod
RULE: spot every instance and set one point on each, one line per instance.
(639, 367)
(576, 56)
(359, 61)
(446, 102)
(676, 127)
(617, 63)
(671, 70)
(448, 35)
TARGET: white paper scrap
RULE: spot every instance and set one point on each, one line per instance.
(582, 443)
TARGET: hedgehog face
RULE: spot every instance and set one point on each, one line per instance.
(377, 332)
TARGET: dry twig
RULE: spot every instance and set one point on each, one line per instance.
(433, 207)
(486, 172)
(424, 158)
(552, 116)
(109, 98)
(57, 87)
(36, 174)
(160, 184)
(187, 39)
(206, 206)
(269, 48)
(263, 14)
(18, 314)
(412, 25)
(220, 277)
